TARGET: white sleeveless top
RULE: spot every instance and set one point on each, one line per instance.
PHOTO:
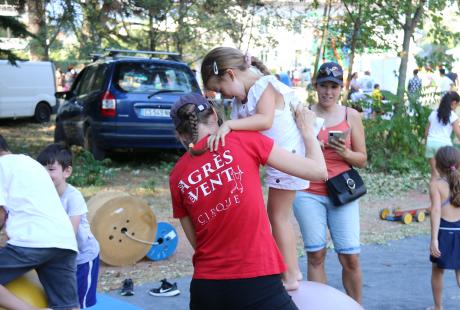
(284, 130)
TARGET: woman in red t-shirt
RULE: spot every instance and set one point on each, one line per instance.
(218, 198)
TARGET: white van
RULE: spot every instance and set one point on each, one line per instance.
(27, 90)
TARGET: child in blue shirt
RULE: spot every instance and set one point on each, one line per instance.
(57, 160)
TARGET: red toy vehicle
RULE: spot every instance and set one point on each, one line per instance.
(405, 216)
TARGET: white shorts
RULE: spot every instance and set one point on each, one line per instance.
(280, 180)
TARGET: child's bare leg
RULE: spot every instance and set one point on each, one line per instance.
(436, 286)
(457, 275)
(10, 301)
(279, 211)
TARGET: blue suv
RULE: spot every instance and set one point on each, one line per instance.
(120, 102)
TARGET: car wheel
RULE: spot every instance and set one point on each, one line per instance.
(42, 113)
(59, 134)
(91, 145)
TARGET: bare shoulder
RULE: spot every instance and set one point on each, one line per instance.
(436, 185)
(354, 115)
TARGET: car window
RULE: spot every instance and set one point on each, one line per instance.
(78, 81)
(139, 77)
(86, 81)
(99, 78)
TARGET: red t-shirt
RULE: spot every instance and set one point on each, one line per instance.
(221, 193)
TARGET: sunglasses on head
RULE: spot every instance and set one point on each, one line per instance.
(335, 71)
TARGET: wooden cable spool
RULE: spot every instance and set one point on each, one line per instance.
(98, 200)
(124, 225)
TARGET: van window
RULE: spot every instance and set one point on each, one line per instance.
(139, 77)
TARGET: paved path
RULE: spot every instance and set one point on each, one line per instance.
(396, 276)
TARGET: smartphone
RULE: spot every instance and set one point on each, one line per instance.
(333, 134)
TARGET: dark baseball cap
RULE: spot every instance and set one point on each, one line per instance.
(330, 71)
(200, 103)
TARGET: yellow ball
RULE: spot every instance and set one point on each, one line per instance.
(27, 289)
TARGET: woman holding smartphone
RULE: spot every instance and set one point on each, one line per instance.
(344, 146)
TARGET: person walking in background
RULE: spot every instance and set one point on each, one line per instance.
(70, 76)
(57, 159)
(59, 79)
(445, 220)
(306, 78)
(261, 103)
(366, 83)
(313, 208)
(441, 122)
(444, 84)
(354, 84)
(377, 101)
(454, 77)
(414, 86)
(218, 198)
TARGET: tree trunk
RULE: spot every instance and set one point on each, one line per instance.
(403, 70)
(409, 28)
(180, 28)
(151, 32)
(354, 41)
(326, 15)
(37, 26)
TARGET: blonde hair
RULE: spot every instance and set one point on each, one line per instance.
(447, 163)
(218, 60)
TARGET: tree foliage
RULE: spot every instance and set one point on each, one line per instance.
(17, 29)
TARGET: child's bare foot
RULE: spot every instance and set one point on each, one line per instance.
(299, 276)
(291, 285)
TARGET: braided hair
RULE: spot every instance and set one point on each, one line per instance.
(218, 60)
(187, 130)
(447, 163)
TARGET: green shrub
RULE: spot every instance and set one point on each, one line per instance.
(397, 145)
(88, 171)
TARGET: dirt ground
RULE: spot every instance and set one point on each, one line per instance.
(145, 176)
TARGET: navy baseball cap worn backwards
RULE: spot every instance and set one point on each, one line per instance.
(200, 103)
(330, 71)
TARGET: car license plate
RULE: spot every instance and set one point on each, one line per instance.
(155, 112)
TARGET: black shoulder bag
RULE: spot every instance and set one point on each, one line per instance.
(345, 187)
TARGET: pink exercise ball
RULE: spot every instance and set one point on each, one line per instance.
(314, 295)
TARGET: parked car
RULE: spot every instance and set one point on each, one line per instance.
(27, 90)
(121, 102)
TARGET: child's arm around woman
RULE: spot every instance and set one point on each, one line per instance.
(261, 120)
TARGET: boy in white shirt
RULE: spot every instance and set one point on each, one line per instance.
(57, 159)
(40, 235)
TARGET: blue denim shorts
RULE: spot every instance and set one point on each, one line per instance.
(56, 270)
(316, 213)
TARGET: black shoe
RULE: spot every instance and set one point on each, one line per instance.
(128, 288)
(166, 289)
